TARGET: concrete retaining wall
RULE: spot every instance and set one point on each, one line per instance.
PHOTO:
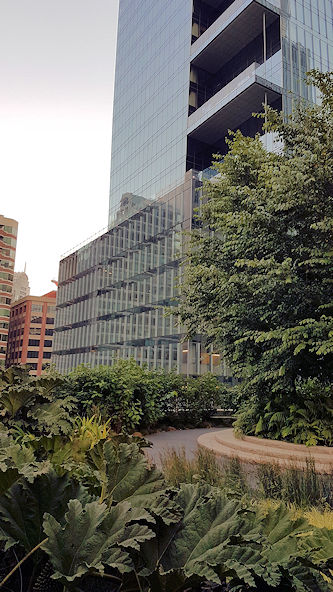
(261, 451)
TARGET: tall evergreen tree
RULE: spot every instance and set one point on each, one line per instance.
(258, 280)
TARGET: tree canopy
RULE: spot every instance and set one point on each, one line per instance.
(258, 274)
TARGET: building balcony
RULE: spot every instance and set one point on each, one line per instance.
(237, 27)
(235, 102)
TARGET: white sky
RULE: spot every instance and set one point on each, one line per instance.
(57, 60)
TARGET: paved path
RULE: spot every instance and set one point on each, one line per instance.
(178, 439)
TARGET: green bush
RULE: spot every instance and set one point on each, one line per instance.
(133, 396)
(106, 519)
(116, 523)
(35, 401)
(306, 418)
(258, 274)
(193, 399)
(126, 393)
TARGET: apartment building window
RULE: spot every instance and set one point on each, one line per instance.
(46, 354)
(5, 288)
(34, 342)
(47, 343)
(35, 331)
(36, 307)
(36, 320)
(48, 331)
(5, 252)
(32, 354)
(32, 366)
(6, 276)
(4, 300)
(49, 321)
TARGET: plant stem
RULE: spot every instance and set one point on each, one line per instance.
(21, 579)
(31, 582)
(137, 579)
(107, 576)
(22, 561)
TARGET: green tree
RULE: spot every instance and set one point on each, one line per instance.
(258, 278)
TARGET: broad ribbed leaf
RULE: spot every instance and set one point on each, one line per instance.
(126, 474)
(129, 474)
(17, 397)
(217, 538)
(281, 531)
(22, 508)
(202, 543)
(17, 461)
(54, 416)
(94, 537)
(319, 546)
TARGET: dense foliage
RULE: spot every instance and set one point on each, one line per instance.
(258, 279)
(113, 519)
(82, 508)
(25, 399)
(135, 397)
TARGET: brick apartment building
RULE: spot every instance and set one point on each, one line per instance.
(30, 336)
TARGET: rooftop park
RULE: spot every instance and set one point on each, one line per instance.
(82, 506)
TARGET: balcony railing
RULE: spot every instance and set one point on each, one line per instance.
(222, 95)
(226, 18)
(270, 71)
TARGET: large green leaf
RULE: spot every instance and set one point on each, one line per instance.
(201, 544)
(218, 538)
(56, 417)
(22, 508)
(281, 531)
(17, 461)
(18, 389)
(17, 397)
(94, 537)
(126, 474)
(319, 547)
(282, 549)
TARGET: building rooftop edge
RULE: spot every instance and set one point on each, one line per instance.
(44, 297)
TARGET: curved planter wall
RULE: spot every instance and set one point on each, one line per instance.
(260, 451)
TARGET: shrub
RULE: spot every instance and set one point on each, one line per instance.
(258, 275)
(307, 418)
(28, 400)
(125, 393)
(133, 396)
(140, 535)
(106, 519)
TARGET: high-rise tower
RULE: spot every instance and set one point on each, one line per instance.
(8, 234)
(186, 72)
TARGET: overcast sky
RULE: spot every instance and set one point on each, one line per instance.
(57, 60)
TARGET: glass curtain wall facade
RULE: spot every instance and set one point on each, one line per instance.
(151, 99)
(186, 72)
(113, 292)
(307, 43)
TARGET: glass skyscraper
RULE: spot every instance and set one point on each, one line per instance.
(186, 72)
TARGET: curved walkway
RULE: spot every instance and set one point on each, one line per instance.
(178, 439)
